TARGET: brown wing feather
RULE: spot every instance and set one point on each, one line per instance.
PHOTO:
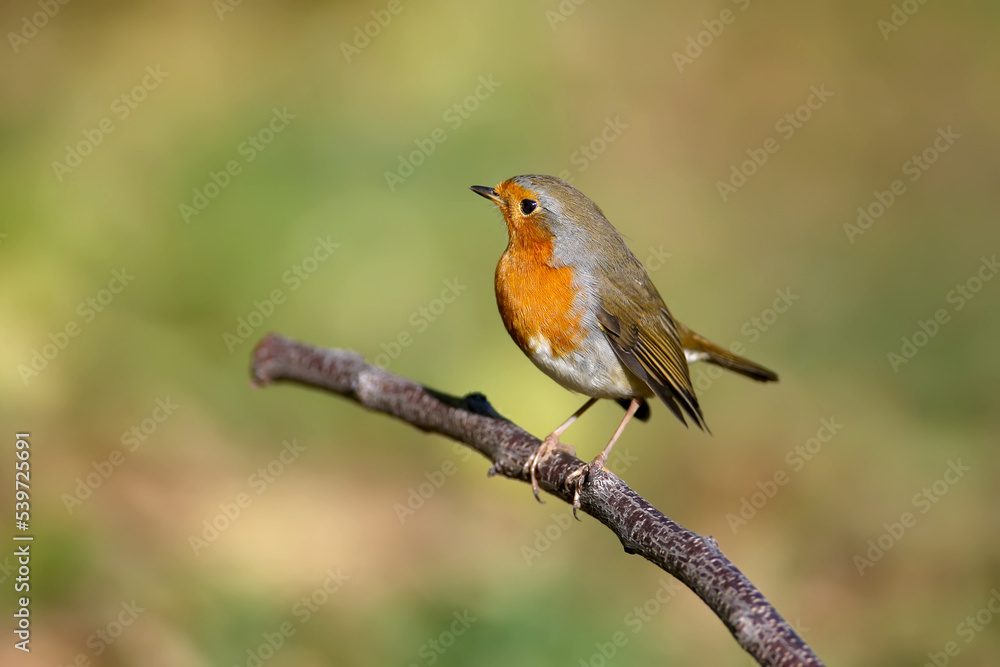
(653, 352)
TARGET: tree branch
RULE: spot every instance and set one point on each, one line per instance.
(693, 559)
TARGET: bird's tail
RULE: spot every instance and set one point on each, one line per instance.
(714, 354)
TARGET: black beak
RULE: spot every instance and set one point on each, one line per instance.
(489, 193)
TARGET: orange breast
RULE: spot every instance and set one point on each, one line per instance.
(535, 299)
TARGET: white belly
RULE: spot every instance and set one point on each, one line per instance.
(600, 374)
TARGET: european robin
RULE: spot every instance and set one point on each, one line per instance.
(581, 306)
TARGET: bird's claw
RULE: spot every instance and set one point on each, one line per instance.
(548, 445)
(576, 480)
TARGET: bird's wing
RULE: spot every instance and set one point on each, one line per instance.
(647, 343)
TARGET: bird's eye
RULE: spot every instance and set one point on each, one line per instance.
(528, 206)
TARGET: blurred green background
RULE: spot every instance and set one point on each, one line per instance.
(114, 117)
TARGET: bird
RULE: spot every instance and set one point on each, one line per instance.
(578, 303)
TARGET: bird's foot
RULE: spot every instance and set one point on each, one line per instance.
(577, 479)
(550, 444)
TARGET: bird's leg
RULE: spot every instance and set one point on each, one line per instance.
(602, 458)
(550, 443)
